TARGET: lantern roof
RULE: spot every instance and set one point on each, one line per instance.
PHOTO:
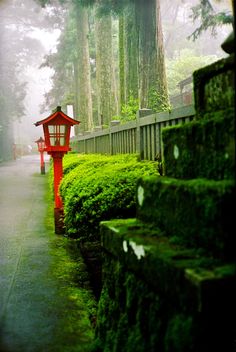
(58, 114)
(39, 140)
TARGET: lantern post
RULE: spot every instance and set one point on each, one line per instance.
(41, 147)
(56, 129)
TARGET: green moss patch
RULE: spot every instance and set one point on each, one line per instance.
(196, 213)
(161, 300)
(214, 86)
(201, 149)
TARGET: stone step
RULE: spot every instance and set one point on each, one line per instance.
(197, 213)
(203, 148)
(214, 86)
(183, 285)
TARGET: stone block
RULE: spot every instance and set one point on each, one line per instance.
(201, 149)
(162, 296)
(198, 213)
(214, 87)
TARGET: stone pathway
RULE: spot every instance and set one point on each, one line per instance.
(40, 310)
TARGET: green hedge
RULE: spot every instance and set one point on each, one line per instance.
(99, 187)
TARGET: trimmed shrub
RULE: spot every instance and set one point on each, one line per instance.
(99, 187)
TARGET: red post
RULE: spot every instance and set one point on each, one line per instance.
(42, 164)
(58, 209)
(58, 174)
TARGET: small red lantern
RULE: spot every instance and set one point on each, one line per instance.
(56, 129)
(41, 147)
(41, 144)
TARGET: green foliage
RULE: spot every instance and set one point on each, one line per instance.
(105, 7)
(183, 66)
(44, 3)
(158, 101)
(71, 161)
(179, 334)
(69, 268)
(128, 111)
(209, 18)
(68, 99)
(100, 187)
(63, 64)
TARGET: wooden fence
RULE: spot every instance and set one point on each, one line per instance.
(142, 136)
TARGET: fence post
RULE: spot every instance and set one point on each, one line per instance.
(110, 142)
(112, 123)
(139, 136)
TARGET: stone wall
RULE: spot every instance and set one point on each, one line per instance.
(169, 275)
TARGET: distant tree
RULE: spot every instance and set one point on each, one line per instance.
(105, 77)
(71, 64)
(140, 39)
(84, 89)
(179, 26)
(143, 55)
(64, 64)
(209, 18)
(182, 67)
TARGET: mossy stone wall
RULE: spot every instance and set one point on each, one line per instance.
(169, 275)
(198, 213)
(204, 148)
(158, 296)
(214, 86)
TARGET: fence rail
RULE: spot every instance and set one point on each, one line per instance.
(142, 136)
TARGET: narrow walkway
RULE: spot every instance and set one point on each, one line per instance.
(37, 311)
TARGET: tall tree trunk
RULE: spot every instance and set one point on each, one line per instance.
(107, 102)
(161, 68)
(147, 49)
(121, 60)
(152, 78)
(84, 79)
(76, 94)
(131, 39)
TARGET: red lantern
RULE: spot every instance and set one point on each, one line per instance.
(56, 129)
(41, 147)
(41, 144)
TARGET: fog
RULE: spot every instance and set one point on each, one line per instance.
(28, 32)
(38, 84)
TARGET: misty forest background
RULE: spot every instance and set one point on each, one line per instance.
(106, 58)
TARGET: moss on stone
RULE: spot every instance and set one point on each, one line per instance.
(123, 312)
(207, 220)
(208, 96)
(179, 334)
(206, 148)
(158, 302)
